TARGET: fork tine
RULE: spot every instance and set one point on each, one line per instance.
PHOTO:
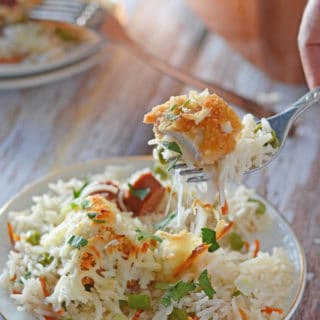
(197, 179)
(190, 171)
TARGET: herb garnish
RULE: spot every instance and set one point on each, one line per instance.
(139, 193)
(77, 192)
(205, 284)
(175, 291)
(79, 203)
(77, 241)
(142, 235)
(171, 116)
(92, 215)
(164, 223)
(209, 237)
(172, 146)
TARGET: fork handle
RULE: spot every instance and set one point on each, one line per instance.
(304, 102)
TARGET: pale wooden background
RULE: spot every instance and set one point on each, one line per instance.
(98, 114)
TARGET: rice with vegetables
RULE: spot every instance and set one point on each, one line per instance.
(110, 247)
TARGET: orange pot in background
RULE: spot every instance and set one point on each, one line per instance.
(263, 31)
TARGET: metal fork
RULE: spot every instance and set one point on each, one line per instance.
(280, 123)
(90, 15)
(93, 16)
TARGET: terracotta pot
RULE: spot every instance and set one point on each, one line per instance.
(263, 31)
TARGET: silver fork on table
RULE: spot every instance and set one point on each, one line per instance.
(92, 16)
(280, 123)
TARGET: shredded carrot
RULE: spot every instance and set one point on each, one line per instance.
(49, 318)
(257, 247)
(95, 250)
(144, 248)
(225, 230)
(10, 233)
(191, 258)
(60, 312)
(14, 278)
(44, 286)
(246, 246)
(137, 315)
(153, 242)
(269, 310)
(225, 208)
(243, 314)
(15, 291)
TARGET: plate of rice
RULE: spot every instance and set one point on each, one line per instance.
(32, 47)
(116, 239)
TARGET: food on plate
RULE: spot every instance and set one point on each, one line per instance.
(34, 42)
(202, 130)
(79, 253)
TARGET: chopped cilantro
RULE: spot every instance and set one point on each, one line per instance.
(99, 221)
(142, 235)
(139, 193)
(205, 284)
(171, 116)
(77, 241)
(176, 292)
(139, 301)
(172, 146)
(173, 107)
(77, 192)
(209, 237)
(164, 223)
(178, 314)
(92, 215)
(162, 285)
(27, 275)
(79, 203)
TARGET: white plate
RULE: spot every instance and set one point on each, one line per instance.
(81, 51)
(35, 80)
(280, 234)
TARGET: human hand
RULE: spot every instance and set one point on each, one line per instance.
(309, 43)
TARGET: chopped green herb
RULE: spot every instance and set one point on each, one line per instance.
(164, 223)
(236, 242)
(45, 259)
(80, 204)
(33, 237)
(160, 172)
(66, 318)
(139, 193)
(236, 293)
(139, 301)
(173, 107)
(261, 209)
(142, 235)
(172, 146)
(176, 292)
(171, 116)
(178, 314)
(77, 241)
(27, 275)
(162, 285)
(92, 215)
(85, 204)
(187, 103)
(77, 193)
(209, 237)
(205, 284)
(174, 162)
(119, 317)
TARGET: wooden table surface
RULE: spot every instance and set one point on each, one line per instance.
(98, 114)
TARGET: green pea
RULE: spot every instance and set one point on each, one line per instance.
(261, 209)
(45, 259)
(33, 237)
(236, 242)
